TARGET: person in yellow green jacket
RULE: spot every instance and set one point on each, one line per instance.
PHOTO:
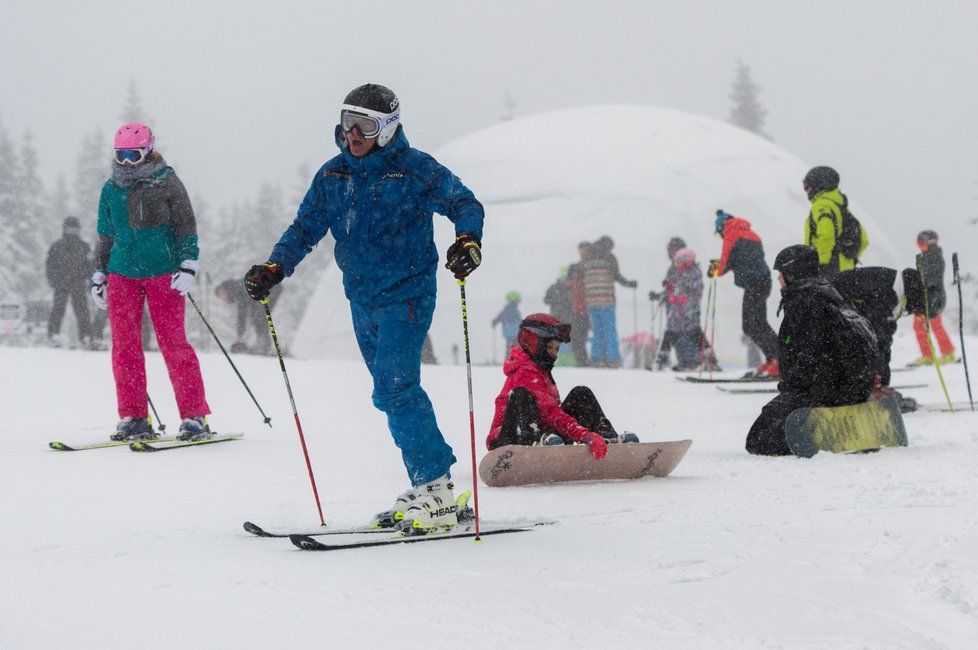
(830, 228)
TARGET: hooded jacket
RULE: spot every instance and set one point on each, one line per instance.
(743, 253)
(379, 209)
(522, 372)
(826, 214)
(930, 265)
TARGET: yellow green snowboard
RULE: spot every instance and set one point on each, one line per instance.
(860, 427)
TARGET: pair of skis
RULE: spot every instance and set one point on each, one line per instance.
(369, 537)
(162, 443)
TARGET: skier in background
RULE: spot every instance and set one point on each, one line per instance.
(828, 351)
(528, 408)
(830, 228)
(248, 312)
(377, 198)
(559, 299)
(930, 264)
(580, 321)
(743, 253)
(147, 254)
(68, 267)
(600, 275)
(509, 318)
(683, 293)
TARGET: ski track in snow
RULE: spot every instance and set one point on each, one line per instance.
(109, 549)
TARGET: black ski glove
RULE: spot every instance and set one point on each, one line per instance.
(464, 256)
(260, 279)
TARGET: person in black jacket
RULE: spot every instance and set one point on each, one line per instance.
(248, 311)
(558, 298)
(828, 352)
(68, 266)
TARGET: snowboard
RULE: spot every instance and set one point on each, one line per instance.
(522, 465)
(859, 427)
(774, 389)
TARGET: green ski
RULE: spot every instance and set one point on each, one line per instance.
(150, 445)
(60, 446)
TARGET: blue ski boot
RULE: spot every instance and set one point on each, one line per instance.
(133, 429)
(194, 429)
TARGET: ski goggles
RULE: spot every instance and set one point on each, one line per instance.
(547, 331)
(130, 156)
(368, 122)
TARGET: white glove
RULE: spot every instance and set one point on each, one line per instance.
(99, 295)
(183, 280)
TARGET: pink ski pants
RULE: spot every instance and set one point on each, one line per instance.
(166, 310)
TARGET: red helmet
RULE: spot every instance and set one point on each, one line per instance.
(537, 329)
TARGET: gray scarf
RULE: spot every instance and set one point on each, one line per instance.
(126, 176)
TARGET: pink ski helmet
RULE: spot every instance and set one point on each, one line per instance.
(134, 135)
(685, 257)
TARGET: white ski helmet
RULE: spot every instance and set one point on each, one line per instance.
(374, 110)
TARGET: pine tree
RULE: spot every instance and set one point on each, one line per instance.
(10, 214)
(747, 112)
(509, 108)
(132, 110)
(92, 168)
(34, 230)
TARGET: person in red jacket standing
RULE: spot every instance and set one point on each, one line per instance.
(528, 408)
(743, 254)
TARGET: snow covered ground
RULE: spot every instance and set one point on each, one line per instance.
(112, 549)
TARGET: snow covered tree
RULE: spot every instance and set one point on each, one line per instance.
(747, 112)
(93, 166)
(10, 214)
(35, 230)
(132, 110)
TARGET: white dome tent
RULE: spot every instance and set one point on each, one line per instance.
(639, 174)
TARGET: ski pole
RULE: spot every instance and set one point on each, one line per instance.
(468, 372)
(713, 322)
(635, 315)
(964, 354)
(193, 302)
(706, 324)
(295, 412)
(930, 342)
(155, 414)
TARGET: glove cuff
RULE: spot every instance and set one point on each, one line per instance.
(99, 278)
(189, 266)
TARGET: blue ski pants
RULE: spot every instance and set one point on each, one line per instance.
(390, 340)
(604, 334)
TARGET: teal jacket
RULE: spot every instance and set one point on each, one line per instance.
(147, 229)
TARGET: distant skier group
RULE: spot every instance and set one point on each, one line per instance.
(377, 198)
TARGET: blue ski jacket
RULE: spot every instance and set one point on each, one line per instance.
(379, 209)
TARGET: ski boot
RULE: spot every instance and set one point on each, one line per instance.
(551, 440)
(194, 429)
(434, 509)
(133, 429)
(768, 369)
(922, 361)
(948, 358)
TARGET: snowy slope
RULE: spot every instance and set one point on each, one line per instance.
(112, 549)
(640, 174)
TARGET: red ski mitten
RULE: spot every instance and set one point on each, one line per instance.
(596, 444)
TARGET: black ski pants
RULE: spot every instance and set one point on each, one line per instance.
(754, 317)
(78, 294)
(766, 436)
(521, 421)
(580, 327)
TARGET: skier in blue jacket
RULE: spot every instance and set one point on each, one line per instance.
(377, 198)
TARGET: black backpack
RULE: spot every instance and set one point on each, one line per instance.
(850, 237)
(856, 355)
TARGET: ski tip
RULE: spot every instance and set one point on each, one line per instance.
(253, 529)
(59, 446)
(304, 542)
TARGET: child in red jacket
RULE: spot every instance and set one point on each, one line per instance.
(528, 408)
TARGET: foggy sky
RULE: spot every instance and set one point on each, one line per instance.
(243, 92)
